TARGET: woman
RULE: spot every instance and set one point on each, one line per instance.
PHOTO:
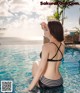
(46, 72)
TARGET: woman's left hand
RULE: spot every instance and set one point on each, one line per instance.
(25, 90)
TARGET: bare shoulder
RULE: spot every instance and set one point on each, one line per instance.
(46, 45)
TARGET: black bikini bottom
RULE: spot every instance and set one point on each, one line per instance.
(51, 86)
(46, 83)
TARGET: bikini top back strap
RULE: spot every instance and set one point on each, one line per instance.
(57, 49)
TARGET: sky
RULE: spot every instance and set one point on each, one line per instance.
(22, 18)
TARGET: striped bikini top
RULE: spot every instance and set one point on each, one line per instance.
(58, 49)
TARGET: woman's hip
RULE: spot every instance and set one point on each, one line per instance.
(48, 83)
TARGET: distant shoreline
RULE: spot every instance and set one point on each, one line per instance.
(15, 41)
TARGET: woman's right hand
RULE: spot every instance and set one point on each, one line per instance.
(44, 26)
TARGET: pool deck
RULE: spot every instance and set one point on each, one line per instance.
(74, 46)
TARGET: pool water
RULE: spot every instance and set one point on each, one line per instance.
(16, 63)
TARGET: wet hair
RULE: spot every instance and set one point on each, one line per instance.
(56, 30)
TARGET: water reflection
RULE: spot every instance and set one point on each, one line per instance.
(59, 89)
(79, 66)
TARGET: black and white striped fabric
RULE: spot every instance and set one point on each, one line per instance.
(50, 83)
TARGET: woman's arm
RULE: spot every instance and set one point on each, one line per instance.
(41, 68)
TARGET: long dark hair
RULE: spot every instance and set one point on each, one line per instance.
(56, 30)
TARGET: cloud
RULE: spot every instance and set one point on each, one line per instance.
(32, 9)
(4, 8)
(21, 1)
(27, 7)
(30, 6)
(24, 29)
(27, 16)
(23, 17)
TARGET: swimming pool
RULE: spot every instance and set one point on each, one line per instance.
(16, 62)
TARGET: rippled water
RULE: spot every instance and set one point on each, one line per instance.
(16, 63)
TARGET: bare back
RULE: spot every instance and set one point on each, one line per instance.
(52, 67)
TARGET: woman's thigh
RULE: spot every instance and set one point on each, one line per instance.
(35, 67)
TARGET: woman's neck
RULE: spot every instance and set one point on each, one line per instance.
(52, 39)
